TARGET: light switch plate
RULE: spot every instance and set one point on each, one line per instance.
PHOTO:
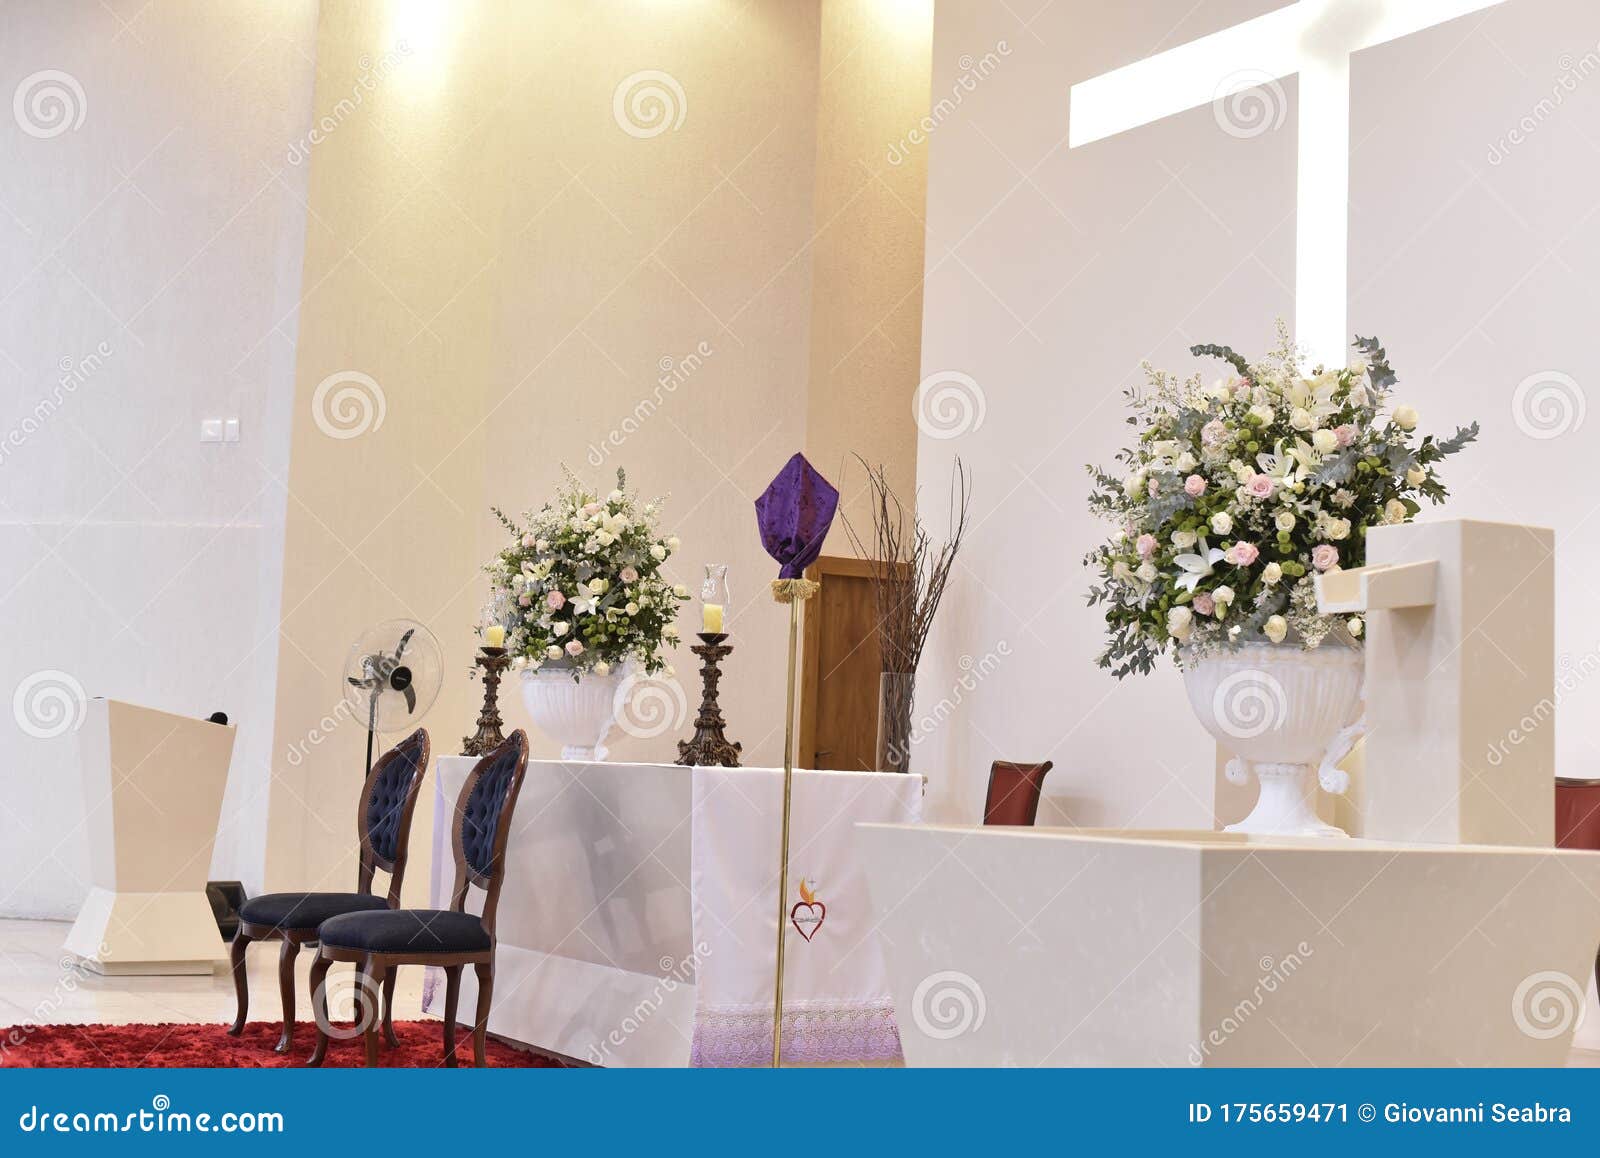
(230, 430)
(211, 430)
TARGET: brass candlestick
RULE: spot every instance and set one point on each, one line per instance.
(493, 661)
(710, 748)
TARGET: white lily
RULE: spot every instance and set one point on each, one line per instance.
(1198, 565)
(583, 603)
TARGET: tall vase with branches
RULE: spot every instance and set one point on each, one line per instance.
(909, 573)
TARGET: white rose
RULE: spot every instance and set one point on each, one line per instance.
(1356, 626)
(1338, 529)
(602, 668)
(1284, 520)
(1222, 522)
(605, 538)
(658, 552)
(1275, 628)
(1164, 448)
(1180, 622)
(1186, 463)
(1325, 441)
(597, 586)
(680, 591)
(1271, 573)
(672, 542)
(1262, 414)
(1184, 540)
(1121, 571)
(1405, 417)
(552, 652)
(632, 609)
(559, 628)
(1300, 418)
(1416, 476)
(1358, 395)
(541, 545)
(1223, 594)
(1146, 572)
(1244, 472)
(1133, 487)
(1394, 511)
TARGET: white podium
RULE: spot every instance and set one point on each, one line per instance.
(153, 785)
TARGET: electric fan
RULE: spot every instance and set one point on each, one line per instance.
(393, 676)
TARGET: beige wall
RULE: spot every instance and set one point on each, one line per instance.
(531, 285)
(866, 313)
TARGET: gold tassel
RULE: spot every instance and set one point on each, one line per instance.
(790, 590)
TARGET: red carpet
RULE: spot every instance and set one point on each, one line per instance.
(177, 1045)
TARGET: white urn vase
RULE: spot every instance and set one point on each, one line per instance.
(1286, 714)
(576, 713)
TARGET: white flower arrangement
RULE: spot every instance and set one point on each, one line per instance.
(582, 585)
(1237, 493)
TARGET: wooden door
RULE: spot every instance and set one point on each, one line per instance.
(839, 677)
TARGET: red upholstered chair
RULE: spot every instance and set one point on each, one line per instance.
(1014, 791)
(1578, 821)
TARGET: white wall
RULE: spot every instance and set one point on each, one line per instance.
(160, 238)
(1051, 274)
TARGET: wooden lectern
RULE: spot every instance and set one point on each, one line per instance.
(153, 785)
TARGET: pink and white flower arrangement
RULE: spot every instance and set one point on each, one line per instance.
(583, 583)
(1236, 494)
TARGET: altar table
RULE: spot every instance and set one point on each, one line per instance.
(636, 923)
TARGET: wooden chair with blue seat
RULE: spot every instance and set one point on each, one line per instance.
(383, 824)
(379, 942)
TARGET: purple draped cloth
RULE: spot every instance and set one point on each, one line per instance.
(794, 514)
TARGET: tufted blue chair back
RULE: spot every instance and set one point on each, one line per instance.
(489, 798)
(391, 791)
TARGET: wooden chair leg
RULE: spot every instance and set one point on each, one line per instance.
(480, 1029)
(319, 1007)
(389, 1038)
(241, 982)
(452, 997)
(371, 1008)
(286, 960)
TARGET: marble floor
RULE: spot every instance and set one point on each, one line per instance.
(40, 983)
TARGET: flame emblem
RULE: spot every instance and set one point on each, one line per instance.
(808, 912)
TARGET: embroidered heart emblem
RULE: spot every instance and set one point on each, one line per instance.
(810, 921)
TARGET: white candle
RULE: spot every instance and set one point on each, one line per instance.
(494, 636)
(711, 619)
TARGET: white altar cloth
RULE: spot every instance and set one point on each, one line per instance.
(636, 918)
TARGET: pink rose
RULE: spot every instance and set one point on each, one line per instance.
(1346, 434)
(528, 540)
(1194, 486)
(1324, 555)
(1152, 488)
(524, 600)
(1145, 545)
(1243, 554)
(1214, 432)
(1204, 604)
(574, 647)
(629, 575)
(555, 601)
(1260, 486)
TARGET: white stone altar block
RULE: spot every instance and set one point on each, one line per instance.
(1084, 947)
(1460, 627)
(153, 784)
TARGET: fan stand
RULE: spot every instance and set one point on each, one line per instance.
(372, 726)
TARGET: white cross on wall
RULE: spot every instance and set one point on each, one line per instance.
(1312, 38)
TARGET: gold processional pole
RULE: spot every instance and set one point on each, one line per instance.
(794, 592)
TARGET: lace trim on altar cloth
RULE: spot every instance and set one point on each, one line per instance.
(814, 1032)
